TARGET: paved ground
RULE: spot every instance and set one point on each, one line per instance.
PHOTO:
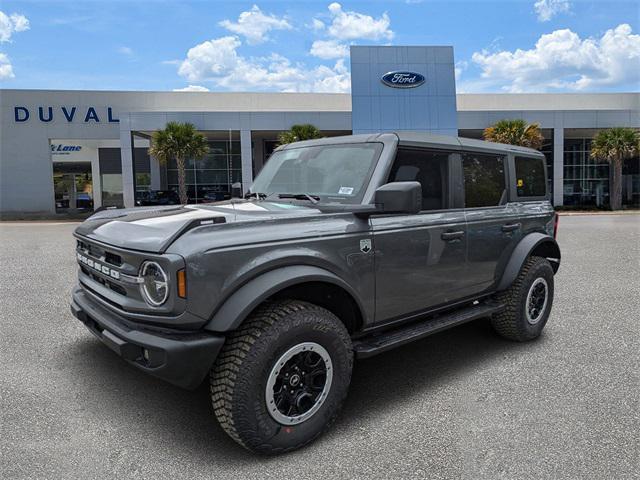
(462, 404)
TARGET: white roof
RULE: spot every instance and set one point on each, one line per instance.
(316, 102)
(547, 101)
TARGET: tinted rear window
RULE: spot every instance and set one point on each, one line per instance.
(530, 180)
(484, 183)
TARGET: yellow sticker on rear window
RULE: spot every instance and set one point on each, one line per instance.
(520, 182)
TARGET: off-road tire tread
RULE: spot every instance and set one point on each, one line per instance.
(226, 371)
(505, 323)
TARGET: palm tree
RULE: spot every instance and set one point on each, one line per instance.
(298, 133)
(515, 132)
(614, 146)
(178, 141)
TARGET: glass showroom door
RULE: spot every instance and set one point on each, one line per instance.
(73, 187)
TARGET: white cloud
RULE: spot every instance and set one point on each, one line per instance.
(10, 24)
(547, 9)
(218, 61)
(213, 58)
(317, 25)
(348, 25)
(336, 79)
(6, 70)
(278, 73)
(128, 51)
(327, 49)
(192, 88)
(562, 60)
(254, 25)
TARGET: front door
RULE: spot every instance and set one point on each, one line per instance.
(420, 258)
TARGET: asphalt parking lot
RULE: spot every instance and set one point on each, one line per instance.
(462, 404)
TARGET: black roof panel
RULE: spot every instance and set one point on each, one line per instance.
(420, 139)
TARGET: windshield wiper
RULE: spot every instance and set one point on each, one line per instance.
(258, 195)
(301, 196)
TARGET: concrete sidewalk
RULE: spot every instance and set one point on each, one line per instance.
(568, 213)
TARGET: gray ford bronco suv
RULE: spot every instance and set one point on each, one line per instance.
(343, 248)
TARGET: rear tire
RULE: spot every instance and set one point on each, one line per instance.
(258, 382)
(528, 302)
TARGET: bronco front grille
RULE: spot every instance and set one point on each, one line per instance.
(102, 297)
(108, 267)
(103, 281)
(99, 252)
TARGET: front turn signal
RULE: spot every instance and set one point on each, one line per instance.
(182, 284)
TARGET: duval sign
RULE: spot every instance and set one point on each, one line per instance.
(402, 79)
(69, 114)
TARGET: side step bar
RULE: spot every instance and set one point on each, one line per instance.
(383, 341)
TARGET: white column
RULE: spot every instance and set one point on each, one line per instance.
(247, 159)
(96, 180)
(558, 166)
(154, 167)
(126, 156)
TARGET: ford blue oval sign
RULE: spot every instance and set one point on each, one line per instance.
(403, 79)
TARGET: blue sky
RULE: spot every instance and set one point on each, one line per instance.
(505, 46)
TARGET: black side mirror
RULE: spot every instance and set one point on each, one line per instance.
(236, 190)
(399, 197)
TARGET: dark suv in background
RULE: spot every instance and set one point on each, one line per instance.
(157, 197)
(343, 247)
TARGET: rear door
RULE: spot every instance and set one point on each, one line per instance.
(493, 225)
(420, 258)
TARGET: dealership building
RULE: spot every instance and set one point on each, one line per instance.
(69, 151)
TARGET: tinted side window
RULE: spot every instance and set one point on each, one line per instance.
(484, 184)
(530, 180)
(428, 168)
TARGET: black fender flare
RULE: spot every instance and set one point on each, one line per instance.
(237, 307)
(533, 243)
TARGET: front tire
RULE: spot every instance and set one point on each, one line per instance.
(281, 378)
(528, 302)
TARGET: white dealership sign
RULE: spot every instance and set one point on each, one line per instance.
(63, 150)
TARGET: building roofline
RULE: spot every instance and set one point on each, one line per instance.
(71, 90)
(547, 101)
(341, 102)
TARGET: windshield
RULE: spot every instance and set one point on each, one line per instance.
(334, 173)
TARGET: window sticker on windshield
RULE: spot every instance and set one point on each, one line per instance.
(345, 190)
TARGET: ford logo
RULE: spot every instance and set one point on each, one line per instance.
(403, 79)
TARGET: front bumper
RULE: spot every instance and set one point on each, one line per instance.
(180, 358)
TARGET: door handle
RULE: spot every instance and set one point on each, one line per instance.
(510, 227)
(452, 235)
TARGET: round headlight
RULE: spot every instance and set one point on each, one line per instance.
(155, 284)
